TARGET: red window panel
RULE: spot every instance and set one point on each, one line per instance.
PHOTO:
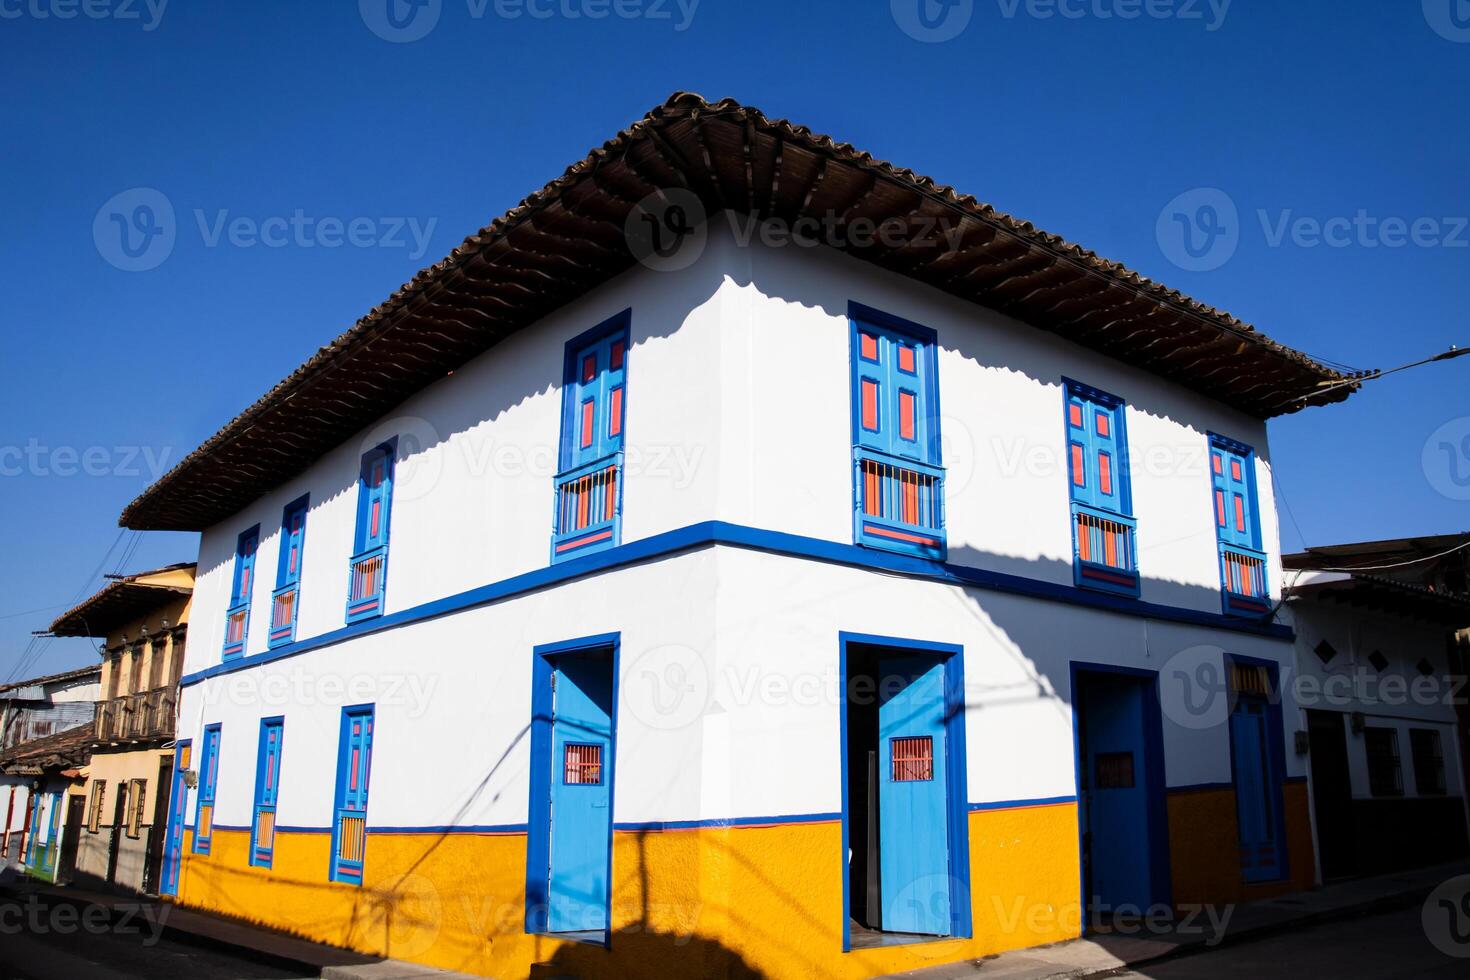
(913, 758)
(906, 422)
(582, 764)
(589, 368)
(615, 412)
(1220, 507)
(615, 358)
(1215, 463)
(870, 405)
(1079, 467)
(1105, 473)
(1239, 512)
(906, 360)
(868, 346)
(1074, 416)
(1235, 470)
(589, 417)
(1104, 424)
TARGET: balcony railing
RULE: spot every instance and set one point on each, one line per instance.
(1104, 550)
(263, 848)
(136, 717)
(368, 576)
(283, 615)
(588, 504)
(237, 620)
(1243, 581)
(351, 844)
(900, 504)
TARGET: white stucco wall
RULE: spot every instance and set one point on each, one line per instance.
(738, 410)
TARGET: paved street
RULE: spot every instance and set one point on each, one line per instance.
(42, 941)
(1390, 945)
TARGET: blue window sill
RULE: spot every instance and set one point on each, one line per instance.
(281, 635)
(370, 604)
(1120, 578)
(896, 485)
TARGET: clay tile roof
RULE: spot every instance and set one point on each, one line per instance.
(567, 238)
(59, 751)
(117, 603)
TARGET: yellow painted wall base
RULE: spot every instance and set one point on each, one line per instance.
(710, 902)
(1204, 848)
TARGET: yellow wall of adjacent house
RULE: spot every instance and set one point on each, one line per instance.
(1204, 853)
(720, 902)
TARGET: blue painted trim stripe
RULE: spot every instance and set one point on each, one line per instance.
(1022, 804)
(784, 820)
(710, 533)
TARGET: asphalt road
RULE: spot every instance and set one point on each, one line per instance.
(1390, 945)
(53, 941)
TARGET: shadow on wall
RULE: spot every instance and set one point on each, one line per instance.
(647, 954)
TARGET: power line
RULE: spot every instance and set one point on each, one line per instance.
(1448, 355)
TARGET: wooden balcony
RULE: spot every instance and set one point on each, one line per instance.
(141, 717)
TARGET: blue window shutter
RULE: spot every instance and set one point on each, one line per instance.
(589, 480)
(375, 497)
(267, 791)
(354, 773)
(898, 479)
(245, 549)
(293, 541)
(1097, 460)
(1235, 512)
(208, 783)
(894, 392)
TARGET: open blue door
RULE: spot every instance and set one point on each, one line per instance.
(581, 795)
(173, 842)
(913, 797)
(1116, 791)
(1255, 792)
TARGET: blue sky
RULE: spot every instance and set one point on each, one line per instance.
(1070, 113)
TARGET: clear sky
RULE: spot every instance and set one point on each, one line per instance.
(1088, 117)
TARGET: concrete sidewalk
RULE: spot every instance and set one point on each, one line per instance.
(1102, 954)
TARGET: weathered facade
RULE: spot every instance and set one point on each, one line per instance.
(1381, 682)
(142, 620)
(681, 629)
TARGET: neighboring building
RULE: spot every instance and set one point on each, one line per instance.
(44, 706)
(142, 620)
(1382, 683)
(30, 710)
(46, 772)
(682, 631)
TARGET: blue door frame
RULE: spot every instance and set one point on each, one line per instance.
(1157, 831)
(1258, 780)
(545, 740)
(951, 656)
(173, 841)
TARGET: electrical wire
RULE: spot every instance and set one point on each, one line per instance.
(1399, 564)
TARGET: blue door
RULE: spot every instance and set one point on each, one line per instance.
(581, 794)
(1115, 789)
(354, 773)
(913, 826)
(173, 842)
(1255, 792)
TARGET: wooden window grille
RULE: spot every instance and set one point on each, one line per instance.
(913, 759)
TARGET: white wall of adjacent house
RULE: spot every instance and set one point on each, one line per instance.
(1399, 697)
(738, 409)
